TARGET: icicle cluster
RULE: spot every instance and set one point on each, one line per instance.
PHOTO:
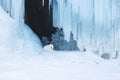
(15, 8)
(94, 23)
(7, 5)
(22, 39)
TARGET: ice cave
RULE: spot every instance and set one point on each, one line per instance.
(59, 40)
(94, 24)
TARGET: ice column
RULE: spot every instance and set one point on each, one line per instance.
(94, 23)
(24, 38)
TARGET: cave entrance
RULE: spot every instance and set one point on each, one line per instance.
(39, 18)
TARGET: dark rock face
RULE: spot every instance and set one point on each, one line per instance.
(39, 17)
(60, 44)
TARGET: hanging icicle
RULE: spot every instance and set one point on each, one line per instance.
(96, 18)
(43, 2)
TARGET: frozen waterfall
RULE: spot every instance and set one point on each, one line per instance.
(20, 38)
(94, 23)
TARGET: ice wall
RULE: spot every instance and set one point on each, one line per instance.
(14, 8)
(23, 38)
(94, 23)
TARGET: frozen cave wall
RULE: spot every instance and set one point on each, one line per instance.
(21, 38)
(95, 24)
(14, 10)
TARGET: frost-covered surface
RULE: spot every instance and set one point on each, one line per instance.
(15, 36)
(58, 66)
(94, 23)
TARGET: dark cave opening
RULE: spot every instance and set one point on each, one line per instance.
(39, 17)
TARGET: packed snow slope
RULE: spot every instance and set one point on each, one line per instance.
(16, 38)
(58, 66)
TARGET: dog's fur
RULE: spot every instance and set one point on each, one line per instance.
(49, 47)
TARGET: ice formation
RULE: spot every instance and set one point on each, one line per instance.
(21, 38)
(94, 23)
(43, 2)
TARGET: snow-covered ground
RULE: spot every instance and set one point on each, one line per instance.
(58, 66)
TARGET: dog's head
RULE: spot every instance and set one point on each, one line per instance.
(51, 46)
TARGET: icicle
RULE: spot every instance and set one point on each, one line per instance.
(50, 3)
(42, 2)
(8, 7)
(0, 2)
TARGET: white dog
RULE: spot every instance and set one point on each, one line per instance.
(49, 47)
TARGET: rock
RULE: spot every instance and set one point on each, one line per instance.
(45, 41)
(61, 44)
(105, 56)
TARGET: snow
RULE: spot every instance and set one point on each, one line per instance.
(58, 66)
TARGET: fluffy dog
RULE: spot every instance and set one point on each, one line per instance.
(49, 47)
